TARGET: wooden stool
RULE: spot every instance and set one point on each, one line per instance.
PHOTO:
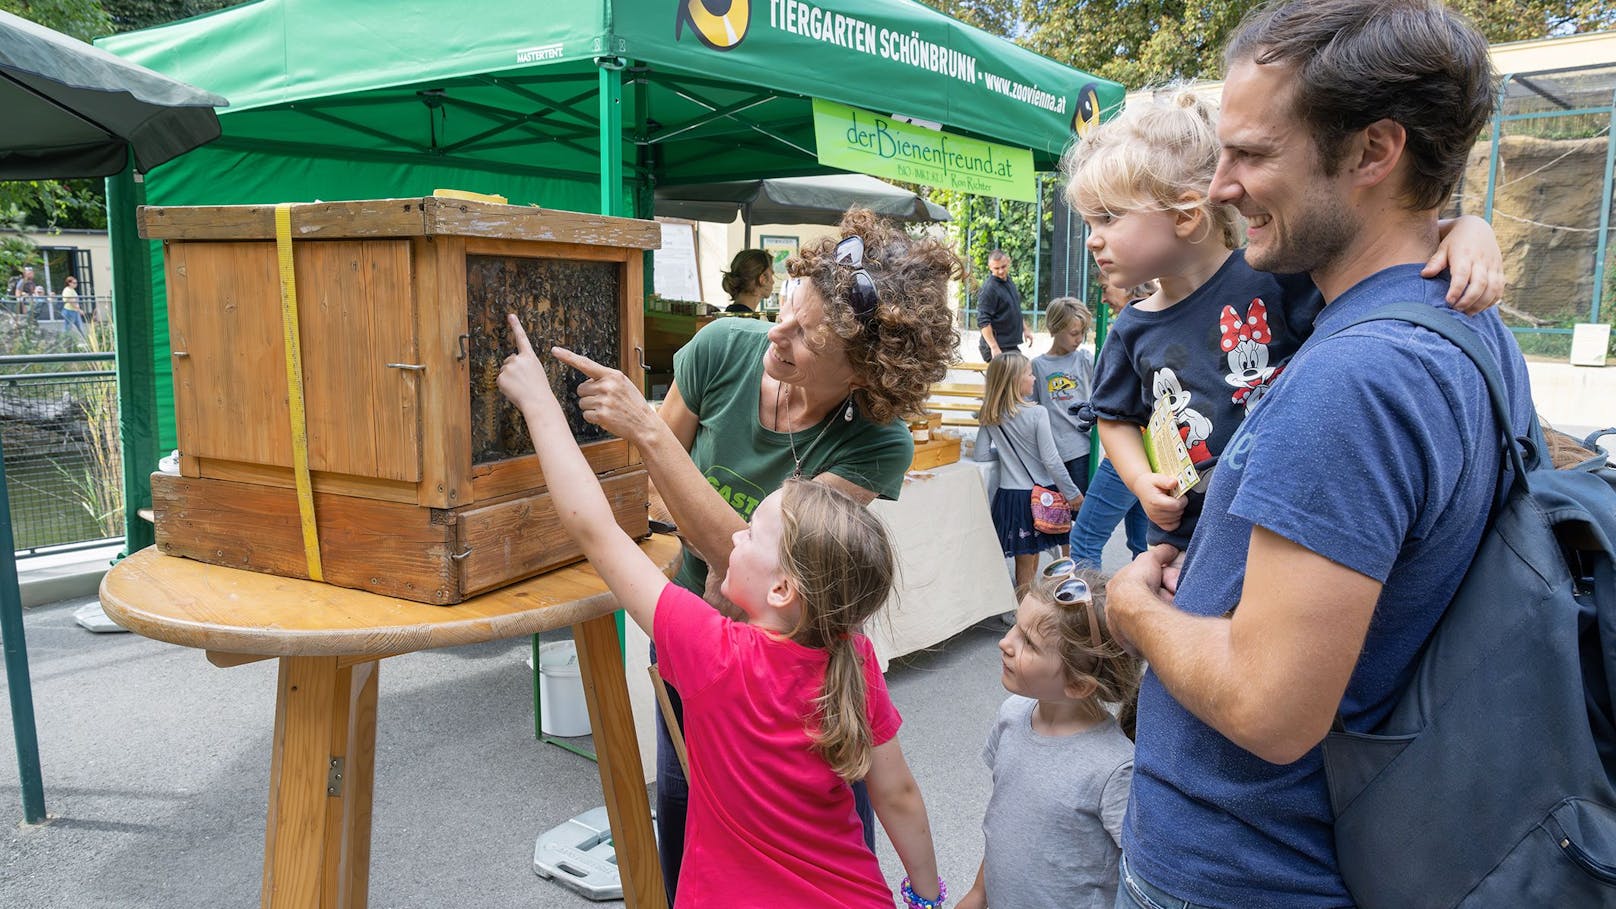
(329, 641)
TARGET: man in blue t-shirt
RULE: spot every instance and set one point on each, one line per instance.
(1347, 507)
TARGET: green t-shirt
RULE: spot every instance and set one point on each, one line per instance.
(720, 375)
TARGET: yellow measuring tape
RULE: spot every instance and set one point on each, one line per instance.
(294, 390)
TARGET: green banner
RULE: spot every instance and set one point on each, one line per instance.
(858, 140)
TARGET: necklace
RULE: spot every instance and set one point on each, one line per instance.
(791, 438)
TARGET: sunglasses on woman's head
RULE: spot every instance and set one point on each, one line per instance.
(850, 252)
(1070, 590)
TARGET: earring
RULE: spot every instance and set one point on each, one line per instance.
(848, 416)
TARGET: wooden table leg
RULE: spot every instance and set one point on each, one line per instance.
(317, 841)
(622, 776)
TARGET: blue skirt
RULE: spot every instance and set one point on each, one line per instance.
(1012, 520)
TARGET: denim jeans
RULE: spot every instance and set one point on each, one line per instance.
(673, 799)
(1106, 502)
(1134, 892)
(1078, 470)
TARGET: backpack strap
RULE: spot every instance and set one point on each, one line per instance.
(1466, 339)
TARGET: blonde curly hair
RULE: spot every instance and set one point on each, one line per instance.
(1158, 155)
(911, 340)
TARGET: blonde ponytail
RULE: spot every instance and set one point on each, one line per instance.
(838, 553)
(843, 737)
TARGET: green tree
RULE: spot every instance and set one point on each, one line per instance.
(51, 204)
(1144, 42)
(1000, 17)
(129, 15)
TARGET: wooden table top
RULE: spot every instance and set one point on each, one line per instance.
(230, 610)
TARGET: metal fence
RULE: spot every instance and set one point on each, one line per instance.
(1542, 175)
(59, 429)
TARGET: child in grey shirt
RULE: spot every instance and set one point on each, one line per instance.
(1062, 765)
(1064, 378)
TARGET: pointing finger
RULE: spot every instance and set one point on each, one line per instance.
(519, 334)
(581, 363)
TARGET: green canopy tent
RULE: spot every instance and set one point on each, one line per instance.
(588, 105)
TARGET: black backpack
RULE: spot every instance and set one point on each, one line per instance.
(1490, 783)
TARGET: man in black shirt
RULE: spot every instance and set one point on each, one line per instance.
(998, 310)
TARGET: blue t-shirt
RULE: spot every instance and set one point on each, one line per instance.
(1379, 451)
(1214, 354)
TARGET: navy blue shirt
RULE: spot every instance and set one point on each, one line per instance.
(1214, 353)
(999, 305)
(1379, 451)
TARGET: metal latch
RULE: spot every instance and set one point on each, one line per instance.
(333, 777)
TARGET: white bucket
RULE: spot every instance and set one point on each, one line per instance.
(562, 709)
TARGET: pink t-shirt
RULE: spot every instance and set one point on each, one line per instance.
(770, 824)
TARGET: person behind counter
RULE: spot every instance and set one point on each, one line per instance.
(750, 278)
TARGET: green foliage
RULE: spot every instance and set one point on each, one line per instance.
(982, 225)
(83, 19)
(129, 15)
(51, 204)
(999, 17)
(1147, 42)
(15, 252)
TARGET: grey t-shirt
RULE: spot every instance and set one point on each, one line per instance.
(1054, 824)
(1058, 384)
(1031, 458)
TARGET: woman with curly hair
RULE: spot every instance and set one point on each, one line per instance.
(864, 330)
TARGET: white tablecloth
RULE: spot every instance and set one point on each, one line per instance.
(952, 572)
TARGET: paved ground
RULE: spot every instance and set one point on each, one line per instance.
(156, 766)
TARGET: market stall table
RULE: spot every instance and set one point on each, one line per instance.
(329, 641)
(951, 568)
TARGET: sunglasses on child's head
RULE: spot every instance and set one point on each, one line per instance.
(1071, 589)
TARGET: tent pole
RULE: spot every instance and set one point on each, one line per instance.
(611, 135)
(136, 361)
(23, 730)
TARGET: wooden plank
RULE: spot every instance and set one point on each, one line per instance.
(965, 406)
(346, 878)
(230, 660)
(440, 291)
(488, 246)
(336, 484)
(631, 318)
(958, 388)
(185, 415)
(522, 537)
(952, 420)
(295, 833)
(415, 217)
(622, 777)
(232, 364)
(459, 217)
(192, 604)
(383, 547)
(502, 478)
(356, 314)
(325, 220)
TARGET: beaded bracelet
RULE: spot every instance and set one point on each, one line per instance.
(916, 901)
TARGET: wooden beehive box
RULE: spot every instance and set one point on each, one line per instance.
(423, 479)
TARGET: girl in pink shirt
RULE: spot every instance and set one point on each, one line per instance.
(783, 710)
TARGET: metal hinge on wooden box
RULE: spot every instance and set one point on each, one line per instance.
(417, 478)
